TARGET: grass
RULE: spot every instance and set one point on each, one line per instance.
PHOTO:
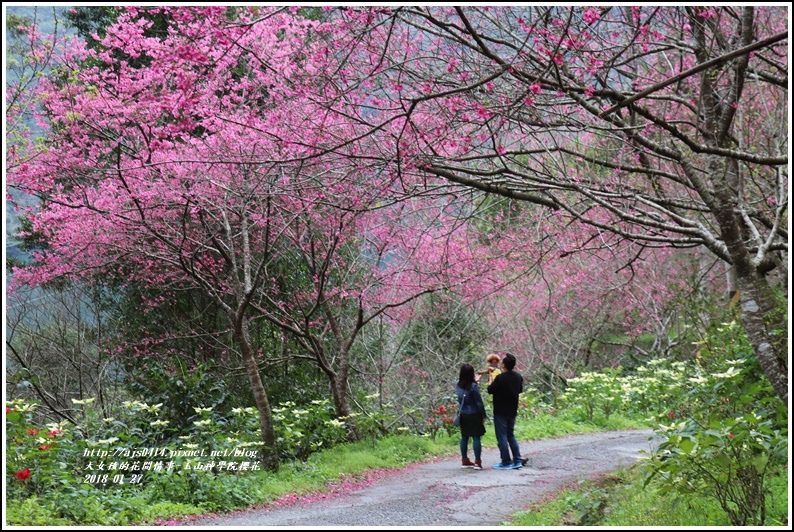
(619, 499)
(544, 426)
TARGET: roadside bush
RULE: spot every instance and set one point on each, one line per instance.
(594, 392)
(92, 472)
(33, 511)
(209, 490)
(736, 433)
(303, 430)
(36, 456)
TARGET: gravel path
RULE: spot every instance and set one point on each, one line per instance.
(443, 494)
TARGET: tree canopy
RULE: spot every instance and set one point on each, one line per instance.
(320, 172)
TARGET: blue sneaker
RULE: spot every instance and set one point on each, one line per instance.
(518, 464)
(502, 466)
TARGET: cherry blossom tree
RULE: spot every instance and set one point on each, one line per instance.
(152, 173)
(663, 126)
(203, 159)
(584, 311)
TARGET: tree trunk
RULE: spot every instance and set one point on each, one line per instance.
(757, 303)
(338, 382)
(342, 405)
(269, 451)
(754, 292)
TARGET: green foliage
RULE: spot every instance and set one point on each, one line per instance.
(592, 392)
(445, 326)
(76, 467)
(179, 390)
(631, 504)
(725, 428)
(92, 20)
(178, 354)
(378, 419)
(155, 511)
(92, 507)
(725, 459)
(312, 13)
(656, 387)
(587, 504)
(31, 241)
(203, 489)
(777, 321)
(37, 458)
(54, 474)
(620, 500)
(735, 433)
(301, 431)
(33, 511)
(298, 381)
(87, 505)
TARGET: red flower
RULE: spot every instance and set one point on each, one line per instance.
(32, 432)
(54, 433)
(23, 475)
(10, 410)
(730, 435)
(671, 414)
(44, 447)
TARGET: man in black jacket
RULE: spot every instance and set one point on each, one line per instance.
(505, 390)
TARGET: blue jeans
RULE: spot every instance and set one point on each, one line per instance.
(476, 446)
(505, 439)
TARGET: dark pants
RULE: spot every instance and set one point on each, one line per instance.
(505, 439)
(471, 426)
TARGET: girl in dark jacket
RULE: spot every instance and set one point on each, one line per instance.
(472, 416)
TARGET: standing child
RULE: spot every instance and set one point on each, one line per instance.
(493, 368)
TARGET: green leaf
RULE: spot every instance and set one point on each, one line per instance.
(688, 444)
(759, 462)
(723, 460)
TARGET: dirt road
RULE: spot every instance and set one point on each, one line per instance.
(443, 494)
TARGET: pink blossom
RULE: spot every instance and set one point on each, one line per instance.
(591, 15)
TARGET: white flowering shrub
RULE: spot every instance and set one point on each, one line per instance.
(734, 432)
